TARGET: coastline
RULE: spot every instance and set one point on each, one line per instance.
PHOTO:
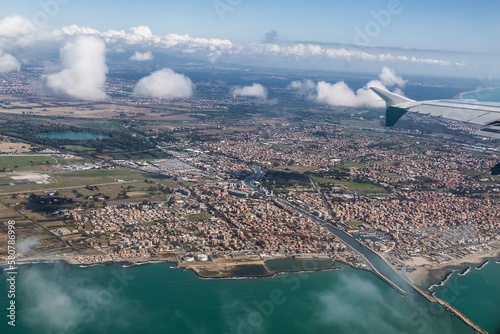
(424, 278)
(461, 95)
(197, 268)
(68, 260)
(480, 259)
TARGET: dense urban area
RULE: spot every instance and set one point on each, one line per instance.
(195, 187)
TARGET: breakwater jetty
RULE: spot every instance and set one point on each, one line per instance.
(451, 309)
(379, 266)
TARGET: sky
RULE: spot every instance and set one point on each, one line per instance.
(450, 25)
(449, 38)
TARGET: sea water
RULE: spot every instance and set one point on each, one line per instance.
(156, 298)
(487, 94)
(476, 294)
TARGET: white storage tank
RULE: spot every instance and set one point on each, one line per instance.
(202, 257)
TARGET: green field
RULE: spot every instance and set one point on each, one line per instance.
(78, 148)
(25, 163)
(299, 169)
(142, 189)
(150, 223)
(97, 176)
(81, 178)
(196, 217)
(21, 163)
(390, 175)
(105, 125)
(355, 223)
(5, 179)
(365, 188)
(357, 185)
(349, 165)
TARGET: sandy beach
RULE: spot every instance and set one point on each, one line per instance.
(424, 277)
(73, 261)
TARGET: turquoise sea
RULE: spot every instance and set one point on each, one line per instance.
(155, 298)
(476, 294)
(487, 94)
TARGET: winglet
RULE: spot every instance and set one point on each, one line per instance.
(390, 99)
(396, 105)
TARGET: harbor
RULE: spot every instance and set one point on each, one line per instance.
(375, 263)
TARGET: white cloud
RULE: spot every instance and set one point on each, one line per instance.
(166, 84)
(389, 77)
(8, 63)
(76, 30)
(16, 26)
(255, 90)
(305, 88)
(139, 34)
(304, 85)
(83, 70)
(214, 48)
(139, 56)
(340, 94)
(17, 33)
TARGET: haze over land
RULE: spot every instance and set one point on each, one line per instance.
(237, 139)
(332, 36)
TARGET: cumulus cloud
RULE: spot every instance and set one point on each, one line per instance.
(139, 56)
(389, 77)
(272, 45)
(16, 26)
(255, 90)
(77, 30)
(16, 31)
(166, 84)
(8, 63)
(340, 94)
(140, 34)
(212, 48)
(83, 70)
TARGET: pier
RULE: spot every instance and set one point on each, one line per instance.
(385, 279)
(384, 271)
(451, 309)
(378, 265)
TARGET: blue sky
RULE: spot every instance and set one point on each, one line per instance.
(445, 27)
(449, 25)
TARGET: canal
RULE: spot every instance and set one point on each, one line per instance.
(249, 180)
(376, 261)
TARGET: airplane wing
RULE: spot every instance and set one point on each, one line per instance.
(470, 111)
